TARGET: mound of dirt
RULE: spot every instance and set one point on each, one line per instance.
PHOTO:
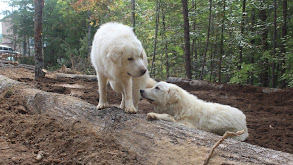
(24, 136)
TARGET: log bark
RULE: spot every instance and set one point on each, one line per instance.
(153, 67)
(76, 76)
(207, 43)
(156, 142)
(213, 86)
(186, 39)
(39, 59)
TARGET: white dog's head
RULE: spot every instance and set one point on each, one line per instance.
(130, 58)
(162, 94)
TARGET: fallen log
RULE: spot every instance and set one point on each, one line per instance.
(215, 86)
(195, 83)
(156, 142)
(29, 67)
(76, 76)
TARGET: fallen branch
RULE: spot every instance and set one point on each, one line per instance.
(225, 136)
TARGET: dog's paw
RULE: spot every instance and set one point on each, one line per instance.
(130, 109)
(151, 116)
(122, 106)
(103, 105)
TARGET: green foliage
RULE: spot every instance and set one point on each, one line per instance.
(240, 77)
(66, 26)
(27, 60)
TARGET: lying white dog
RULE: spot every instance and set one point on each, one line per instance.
(175, 104)
(118, 57)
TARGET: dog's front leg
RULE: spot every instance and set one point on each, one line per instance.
(127, 97)
(136, 92)
(102, 81)
(156, 116)
(122, 105)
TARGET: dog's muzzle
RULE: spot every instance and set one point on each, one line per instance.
(141, 73)
(141, 92)
(142, 95)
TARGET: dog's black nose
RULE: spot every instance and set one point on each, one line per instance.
(143, 71)
(141, 92)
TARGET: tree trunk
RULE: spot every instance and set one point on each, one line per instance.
(213, 48)
(283, 83)
(166, 44)
(274, 45)
(186, 39)
(39, 59)
(193, 45)
(207, 42)
(29, 48)
(222, 43)
(242, 31)
(133, 14)
(214, 54)
(265, 45)
(155, 42)
(24, 46)
(251, 74)
(89, 41)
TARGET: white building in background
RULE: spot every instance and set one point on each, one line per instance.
(8, 38)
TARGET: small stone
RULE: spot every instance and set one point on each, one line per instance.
(40, 156)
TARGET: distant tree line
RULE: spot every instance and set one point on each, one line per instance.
(227, 41)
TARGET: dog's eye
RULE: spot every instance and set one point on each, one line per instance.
(157, 88)
(130, 59)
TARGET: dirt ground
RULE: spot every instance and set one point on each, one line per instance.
(22, 135)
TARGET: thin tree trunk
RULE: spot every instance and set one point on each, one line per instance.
(242, 31)
(207, 42)
(133, 14)
(166, 44)
(283, 50)
(186, 39)
(222, 43)
(13, 28)
(213, 48)
(29, 48)
(213, 56)
(39, 59)
(193, 45)
(155, 42)
(274, 45)
(89, 41)
(24, 46)
(251, 74)
(264, 72)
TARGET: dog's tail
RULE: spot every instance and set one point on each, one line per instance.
(150, 83)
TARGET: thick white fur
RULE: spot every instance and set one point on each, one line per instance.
(175, 104)
(118, 57)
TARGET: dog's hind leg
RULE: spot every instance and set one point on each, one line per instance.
(102, 81)
(116, 86)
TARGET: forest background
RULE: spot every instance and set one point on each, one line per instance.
(227, 41)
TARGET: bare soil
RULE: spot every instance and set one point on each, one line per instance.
(23, 135)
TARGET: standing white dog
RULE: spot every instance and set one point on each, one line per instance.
(177, 105)
(118, 57)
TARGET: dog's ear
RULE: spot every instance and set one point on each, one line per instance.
(114, 54)
(142, 54)
(174, 95)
